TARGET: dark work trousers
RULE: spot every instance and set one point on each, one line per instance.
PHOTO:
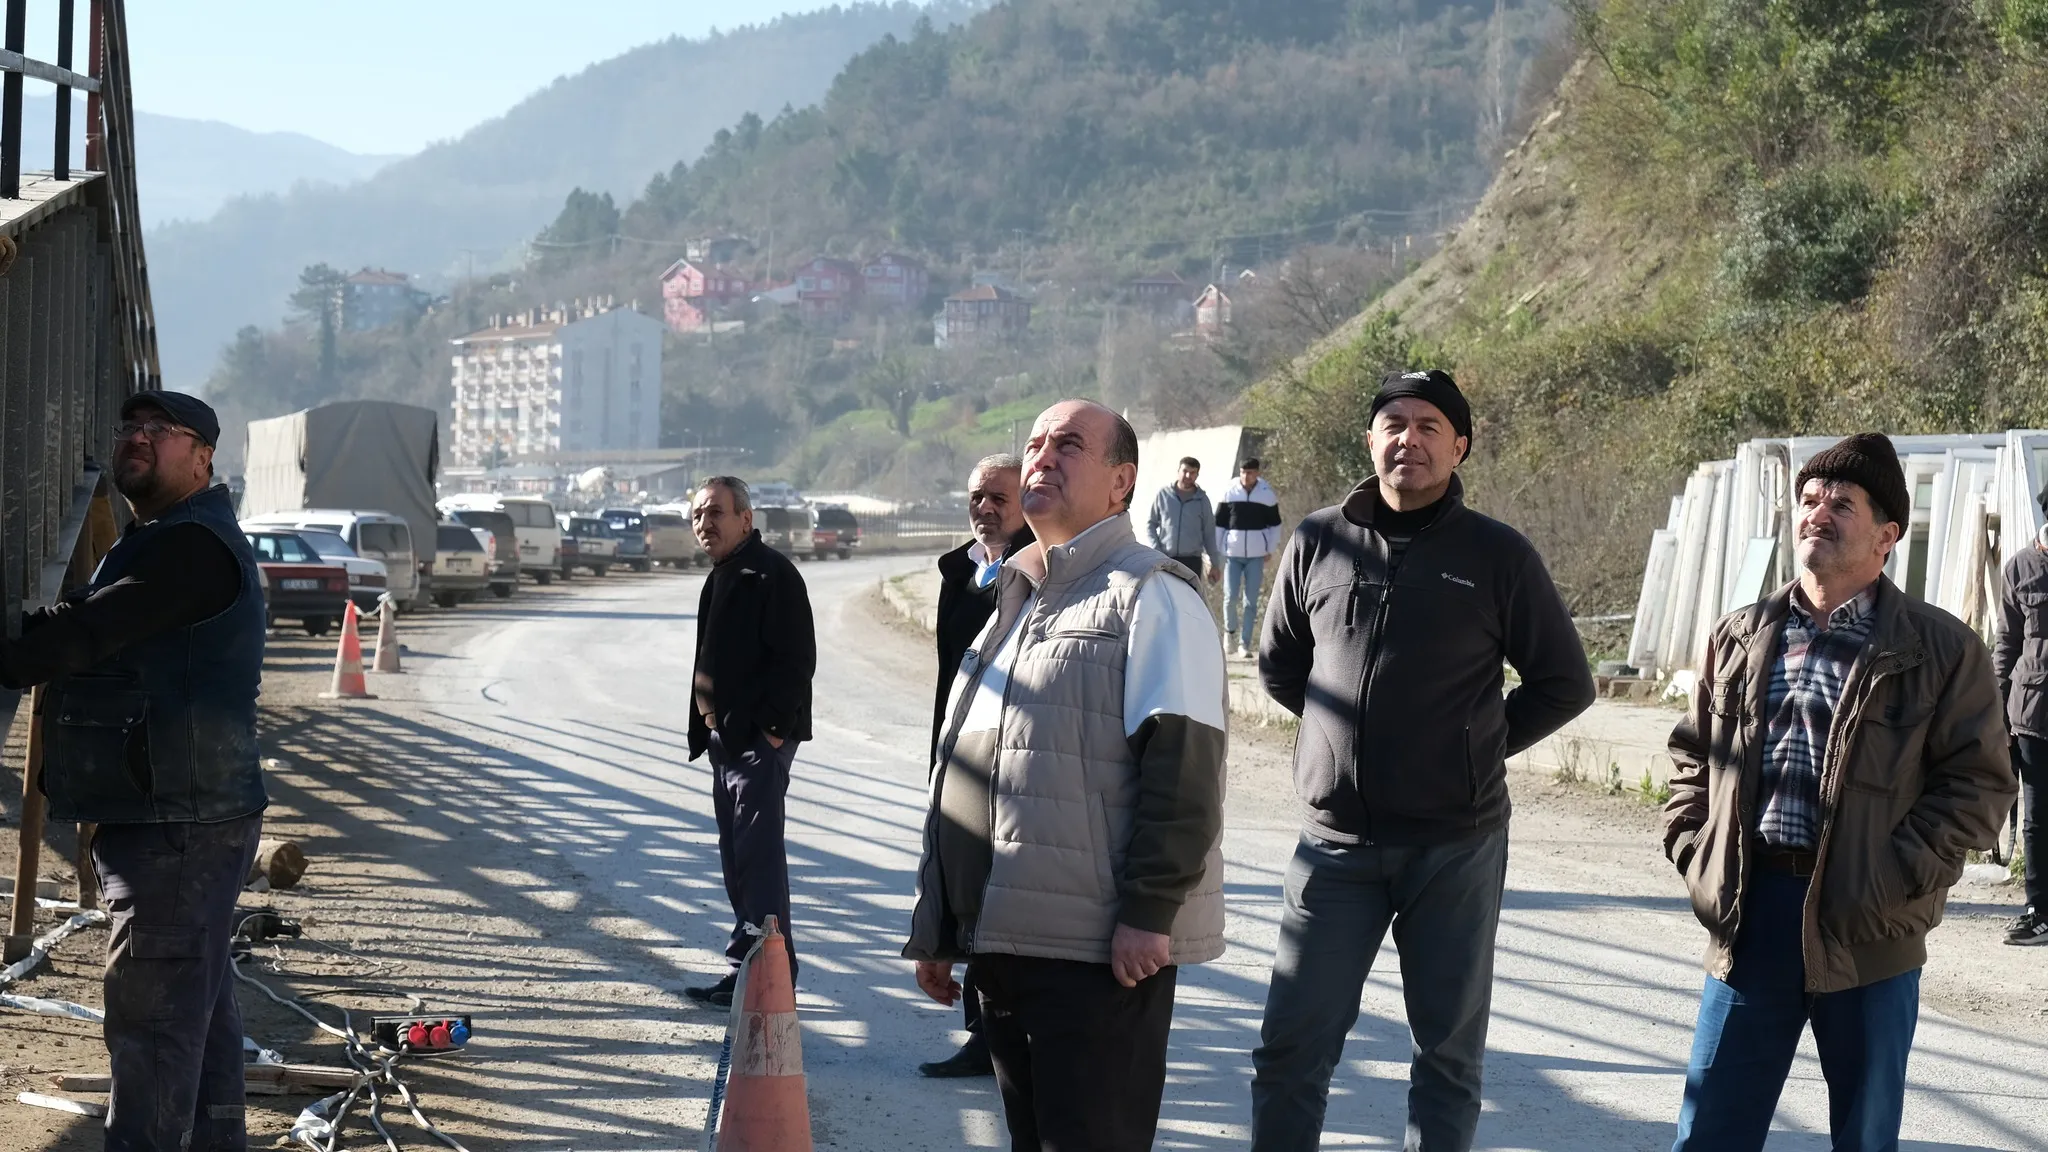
(1749, 1029)
(1080, 1059)
(2033, 768)
(1443, 904)
(749, 785)
(173, 1027)
(970, 1005)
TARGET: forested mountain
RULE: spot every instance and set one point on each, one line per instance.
(1067, 145)
(1738, 219)
(1125, 134)
(189, 168)
(469, 203)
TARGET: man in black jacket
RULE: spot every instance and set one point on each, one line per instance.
(967, 598)
(751, 704)
(1390, 620)
(2021, 662)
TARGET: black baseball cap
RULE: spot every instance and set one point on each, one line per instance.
(190, 411)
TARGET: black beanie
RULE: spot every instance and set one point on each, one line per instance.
(1435, 386)
(1868, 460)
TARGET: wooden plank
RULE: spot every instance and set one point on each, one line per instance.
(60, 1104)
(21, 929)
(74, 1082)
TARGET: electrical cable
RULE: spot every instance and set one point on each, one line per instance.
(374, 1073)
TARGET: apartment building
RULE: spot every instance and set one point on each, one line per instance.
(582, 378)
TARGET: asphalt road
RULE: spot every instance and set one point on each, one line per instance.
(1598, 975)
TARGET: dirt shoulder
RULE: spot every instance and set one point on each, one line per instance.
(423, 889)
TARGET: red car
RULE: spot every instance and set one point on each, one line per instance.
(297, 583)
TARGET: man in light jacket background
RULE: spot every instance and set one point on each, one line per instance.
(1073, 842)
(1247, 531)
(1183, 522)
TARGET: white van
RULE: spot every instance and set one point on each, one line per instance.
(533, 522)
(377, 535)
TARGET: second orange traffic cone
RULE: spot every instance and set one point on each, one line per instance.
(765, 1106)
(348, 663)
(387, 638)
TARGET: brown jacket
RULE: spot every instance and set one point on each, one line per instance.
(1914, 776)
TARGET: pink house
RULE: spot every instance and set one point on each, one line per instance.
(693, 295)
(1212, 311)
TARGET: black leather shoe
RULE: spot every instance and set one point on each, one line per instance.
(717, 995)
(971, 1060)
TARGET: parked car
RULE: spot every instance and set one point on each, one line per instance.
(377, 535)
(670, 539)
(837, 531)
(533, 520)
(462, 567)
(596, 548)
(367, 578)
(501, 540)
(297, 583)
(787, 528)
(629, 527)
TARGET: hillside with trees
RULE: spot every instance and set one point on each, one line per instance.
(1059, 148)
(467, 205)
(1739, 218)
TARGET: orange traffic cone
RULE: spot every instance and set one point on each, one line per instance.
(348, 663)
(761, 1083)
(387, 639)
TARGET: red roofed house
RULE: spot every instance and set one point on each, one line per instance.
(827, 289)
(983, 311)
(896, 281)
(693, 295)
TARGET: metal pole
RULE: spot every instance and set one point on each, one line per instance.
(96, 66)
(10, 104)
(60, 164)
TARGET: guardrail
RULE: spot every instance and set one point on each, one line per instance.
(77, 338)
(77, 334)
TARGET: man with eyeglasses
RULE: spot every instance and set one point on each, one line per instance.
(149, 729)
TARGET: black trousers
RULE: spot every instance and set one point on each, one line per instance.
(173, 1027)
(970, 1003)
(2033, 768)
(749, 784)
(1080, 1059)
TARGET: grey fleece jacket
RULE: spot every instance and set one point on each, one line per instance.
(1395, 670)
(1184, 525)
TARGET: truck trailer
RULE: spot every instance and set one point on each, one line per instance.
(357, 455)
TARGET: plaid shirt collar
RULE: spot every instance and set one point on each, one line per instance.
(1848, 613)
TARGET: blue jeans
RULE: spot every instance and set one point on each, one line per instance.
(1443, 904)
(1749, 1030)
(1242, 576)
(174, 1027)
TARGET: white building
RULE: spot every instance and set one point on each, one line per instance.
(580, 379)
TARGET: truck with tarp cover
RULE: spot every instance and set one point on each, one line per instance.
(357, 455)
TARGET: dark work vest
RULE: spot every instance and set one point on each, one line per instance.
(164, 731)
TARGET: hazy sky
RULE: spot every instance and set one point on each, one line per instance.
(382, 76)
